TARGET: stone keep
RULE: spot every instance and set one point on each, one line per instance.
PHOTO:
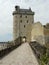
(23, 20)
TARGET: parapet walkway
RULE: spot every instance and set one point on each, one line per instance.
(23, 55)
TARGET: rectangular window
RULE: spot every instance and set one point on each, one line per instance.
(25, 16)
(21, 21)
(27, 21)
(24, 26)
(20, 16)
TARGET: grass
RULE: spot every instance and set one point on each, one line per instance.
(44, 59)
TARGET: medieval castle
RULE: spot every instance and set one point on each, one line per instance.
(24, 27)
(35, 37)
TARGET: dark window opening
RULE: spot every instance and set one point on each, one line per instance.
(21, 21)
(27, 21)
(24, 26)
(20, 16)
(26, 16)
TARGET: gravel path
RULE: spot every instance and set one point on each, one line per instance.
(23, 55)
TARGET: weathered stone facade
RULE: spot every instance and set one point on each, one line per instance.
(24, 27)
(46, 34)
(38, 33)
(22, 24)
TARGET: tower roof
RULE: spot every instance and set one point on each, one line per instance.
(18, 10)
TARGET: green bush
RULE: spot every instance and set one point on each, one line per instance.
(44, 59)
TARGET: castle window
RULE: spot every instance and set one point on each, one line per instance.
(20, 16)
(24, 26)
(21, 21)
(27, 21)
(26, 16)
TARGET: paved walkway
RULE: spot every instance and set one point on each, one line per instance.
(23, 55)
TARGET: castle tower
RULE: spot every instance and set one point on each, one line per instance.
(22, 23)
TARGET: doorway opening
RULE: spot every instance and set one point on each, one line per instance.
(23, 39)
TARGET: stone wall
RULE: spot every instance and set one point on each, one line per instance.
(40, 39)
(46, 35)
(39, 50)
(37, 33)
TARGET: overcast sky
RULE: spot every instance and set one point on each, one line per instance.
(40, 7)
